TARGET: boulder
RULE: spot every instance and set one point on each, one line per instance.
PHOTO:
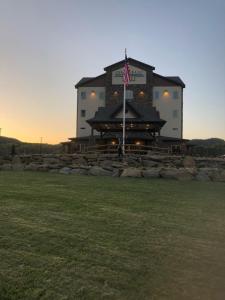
(131, 172)
(32, 167)
(18, 167)
(151, 173)
(203, 175)
(79, 171)
(149, 163)
(189, 162)
(119, 165)
(220, 176)
(65, 170)
(178, 174)
(107, 165)
(98, 171)
(51, 160)
(6, 167)
(213, 174)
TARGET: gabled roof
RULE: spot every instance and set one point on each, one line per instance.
(173, 79)
(144, 112)
(90, 80)
(130, 61)
(177, 80)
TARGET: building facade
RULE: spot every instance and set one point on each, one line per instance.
(154, 103)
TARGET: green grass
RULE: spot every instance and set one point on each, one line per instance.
(74, 237)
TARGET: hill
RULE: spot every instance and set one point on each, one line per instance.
(208, 147)
(6, 144)
(7, 140)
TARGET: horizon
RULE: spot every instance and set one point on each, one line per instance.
(45, 52)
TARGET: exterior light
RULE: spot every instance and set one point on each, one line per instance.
(141, 93)
(115, 93)
(113, 143)
(166, 93)
(93, 93)
(138, 143)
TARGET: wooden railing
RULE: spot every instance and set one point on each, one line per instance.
(129, 149)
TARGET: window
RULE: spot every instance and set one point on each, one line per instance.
(175, 94)
(129, 94)
(83, 95)
(156, 94)
(102, 95)
(83, 113)
(175, 113)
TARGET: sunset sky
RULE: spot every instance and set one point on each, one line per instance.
(46, 46)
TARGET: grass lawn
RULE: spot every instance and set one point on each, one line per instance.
(75, 237)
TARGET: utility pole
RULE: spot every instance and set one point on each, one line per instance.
(41, 139)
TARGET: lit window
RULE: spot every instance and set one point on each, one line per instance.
(83, 95)
(156, 94)
(175, 113)
(83, 113)
(175, 94)
(166, 93)
(102, 95)
(129, 94)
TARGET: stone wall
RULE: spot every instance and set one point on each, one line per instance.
(149, 166)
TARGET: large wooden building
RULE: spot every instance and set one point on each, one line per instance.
(154, 106)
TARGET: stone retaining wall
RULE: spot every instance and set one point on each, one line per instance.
(149, 166)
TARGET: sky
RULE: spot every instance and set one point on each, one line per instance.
(47, 46)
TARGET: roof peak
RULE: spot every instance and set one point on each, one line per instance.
(131, 61)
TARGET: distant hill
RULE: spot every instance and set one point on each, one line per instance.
(212, 142)
(7, 140)
(6, 144)
(208, 147)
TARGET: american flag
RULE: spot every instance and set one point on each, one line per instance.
(126, 72)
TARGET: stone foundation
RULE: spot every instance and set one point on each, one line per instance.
(148, 166)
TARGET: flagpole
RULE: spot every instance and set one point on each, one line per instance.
(124, 116)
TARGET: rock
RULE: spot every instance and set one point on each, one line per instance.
(116, 173)
(189, 162)
(192, 171)
(118, 165)
(79, 171)
(65, 170)
(151, 173)
(16, 160)
(6, 167)
(214, 174)
(18, 167)
(131, 172)
(149, 163)
(178, 174)
(98, 171)
(203, 175)
(43, 168)
(51, 160)
(220, 176)
(32, 167)
(107, 165)
(54, 171)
